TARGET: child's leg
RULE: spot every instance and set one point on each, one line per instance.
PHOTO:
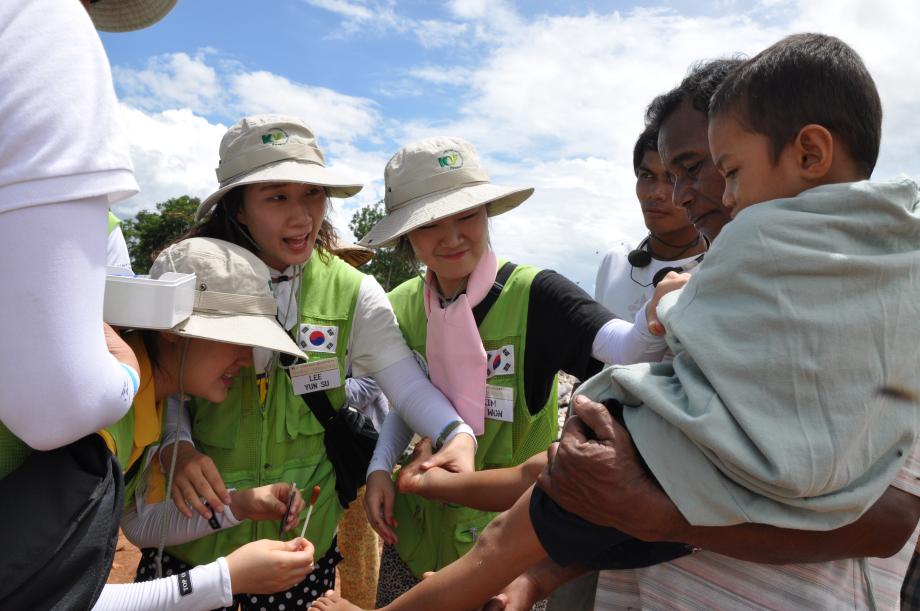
(507, 547)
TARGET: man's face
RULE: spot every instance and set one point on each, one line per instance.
(683, 144)
(751, 174)
(654, 193)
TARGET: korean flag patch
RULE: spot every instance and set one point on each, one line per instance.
(318, 338)
(500, 362)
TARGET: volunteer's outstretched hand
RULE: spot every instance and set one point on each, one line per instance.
(196, 477)
(457, 455)
(269, 502)
(378, 505)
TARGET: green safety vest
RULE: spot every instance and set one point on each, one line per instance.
(434, 534)
(120, 437)
(281, 441)
(114, 221)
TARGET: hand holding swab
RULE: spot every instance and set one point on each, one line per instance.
(306, 521)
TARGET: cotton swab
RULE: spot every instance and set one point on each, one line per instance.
(306, 521)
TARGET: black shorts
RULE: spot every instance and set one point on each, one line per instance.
(569, 539)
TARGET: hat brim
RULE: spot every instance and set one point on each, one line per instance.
(436, 206)
(245, 330)
(354, 255)
(128, 15)
(288, 170)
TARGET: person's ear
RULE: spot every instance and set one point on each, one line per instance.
(814, 150)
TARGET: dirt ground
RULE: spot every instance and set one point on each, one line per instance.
(126, 559)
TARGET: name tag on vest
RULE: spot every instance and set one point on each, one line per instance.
(499, 403)
(315, 375)
(318, 338)
(500, 362)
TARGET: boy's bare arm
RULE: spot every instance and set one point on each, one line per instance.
(489, 490)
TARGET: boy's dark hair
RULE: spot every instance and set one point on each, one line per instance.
(702, 79)
(803, 79)
(647, 141)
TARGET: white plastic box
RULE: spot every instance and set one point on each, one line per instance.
(143, 303)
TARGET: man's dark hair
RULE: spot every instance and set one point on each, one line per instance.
(804, 79)
(647, 141)
(702, 80)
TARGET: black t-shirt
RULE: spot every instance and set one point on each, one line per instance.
(562, 322)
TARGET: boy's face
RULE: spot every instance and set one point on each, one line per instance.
(744, 160)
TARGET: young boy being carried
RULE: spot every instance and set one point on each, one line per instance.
(783, 403)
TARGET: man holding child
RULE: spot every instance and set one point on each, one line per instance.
(837, 559)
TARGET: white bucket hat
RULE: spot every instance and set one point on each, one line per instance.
(128, 15)
(233, 297)
(273, 148)
(433, 179)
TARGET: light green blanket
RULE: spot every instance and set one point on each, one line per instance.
(770, 412)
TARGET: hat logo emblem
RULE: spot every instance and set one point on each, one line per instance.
(451, 160)
(275, 137)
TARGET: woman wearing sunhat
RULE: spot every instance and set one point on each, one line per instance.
(493, 336)
(233, 311)
(273, 199)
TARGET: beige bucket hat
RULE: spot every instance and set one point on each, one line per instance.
(233, 298)
(273, 148)
(353, 254)
(128, 15)
(432, 179)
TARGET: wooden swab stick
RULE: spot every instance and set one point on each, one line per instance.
(306, 521)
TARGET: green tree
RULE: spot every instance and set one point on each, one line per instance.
(387, 267)
(148, 232)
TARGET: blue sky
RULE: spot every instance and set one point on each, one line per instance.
(552, 93)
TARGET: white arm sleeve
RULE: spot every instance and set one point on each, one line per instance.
(210, 589)
(176, 410)
(142, 523)
(58, 381)
(395, 436)
(623, 343)
(420, 405)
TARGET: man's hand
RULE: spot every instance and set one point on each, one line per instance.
(196, 477)
(671, 282)
(596, 473)
(457, 455)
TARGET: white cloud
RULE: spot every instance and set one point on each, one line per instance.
(170, 80)
(174, 154)
(349, 10)
(442, 75)
(333, 115)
